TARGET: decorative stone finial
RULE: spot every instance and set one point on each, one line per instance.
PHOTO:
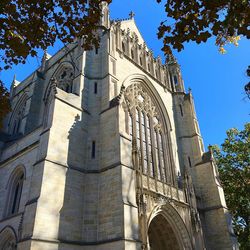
(131, 15)
(45, 58)
(14, 83)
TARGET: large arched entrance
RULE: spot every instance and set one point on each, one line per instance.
(167, 230)
(161, 235)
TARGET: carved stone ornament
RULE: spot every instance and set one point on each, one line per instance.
(137, 96)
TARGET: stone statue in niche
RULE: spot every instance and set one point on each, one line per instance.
(65, 79)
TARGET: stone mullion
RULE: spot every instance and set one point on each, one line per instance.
(153, 152)
(147, 143)
(133, 115)
(157, 153)
(171, 159)
(163, 166)
(167, 161)
(147, 151)
(141, 141)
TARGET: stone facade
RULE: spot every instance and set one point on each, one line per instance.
(102, 150)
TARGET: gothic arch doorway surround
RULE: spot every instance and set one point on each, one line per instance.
(167, 231)
(8, 239)
(161, 235)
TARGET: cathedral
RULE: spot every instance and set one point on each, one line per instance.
(102, 151)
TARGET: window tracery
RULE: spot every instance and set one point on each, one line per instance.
(65, 79)
(145, 125)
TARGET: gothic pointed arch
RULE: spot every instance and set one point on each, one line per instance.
(14, 190)
(149, 129)
(64, 76)
(16, 118)
(8, 239)
(165, 222)
(148, 86)
(48, 99)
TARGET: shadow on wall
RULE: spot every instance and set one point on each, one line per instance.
(71, 213)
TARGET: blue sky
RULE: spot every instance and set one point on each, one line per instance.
(216, 80)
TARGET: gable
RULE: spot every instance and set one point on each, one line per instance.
(131, 25)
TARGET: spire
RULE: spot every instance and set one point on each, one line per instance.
(14, 83)
(14, 79)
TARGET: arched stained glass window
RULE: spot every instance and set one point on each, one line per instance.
(148, 132)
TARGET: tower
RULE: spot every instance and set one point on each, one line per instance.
(102, 150)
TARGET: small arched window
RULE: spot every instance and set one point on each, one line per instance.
(15, 186)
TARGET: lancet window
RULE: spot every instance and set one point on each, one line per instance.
(146, 129)
(15, 191)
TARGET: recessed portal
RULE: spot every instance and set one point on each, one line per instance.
(161, 235)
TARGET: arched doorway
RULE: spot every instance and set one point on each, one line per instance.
(161, 235)
(7, 239)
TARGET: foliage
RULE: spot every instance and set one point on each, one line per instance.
(233, 161)
(27, 25)
(4, 102)
(198, 20)
(247, 86)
